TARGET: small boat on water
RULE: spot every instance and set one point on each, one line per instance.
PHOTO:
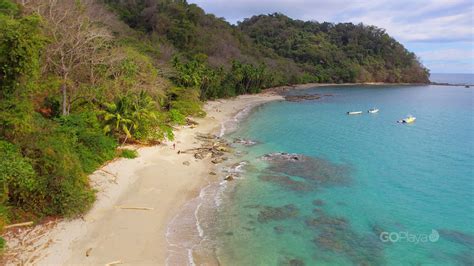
(354, 113)
(373, 111)
(408, 120)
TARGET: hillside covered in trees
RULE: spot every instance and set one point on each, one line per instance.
(78, 78)
(341, 52)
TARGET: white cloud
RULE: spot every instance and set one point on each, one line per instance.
(448, 54)
(415, 20)
(456, 27)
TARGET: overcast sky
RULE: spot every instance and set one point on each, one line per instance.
(440, 32)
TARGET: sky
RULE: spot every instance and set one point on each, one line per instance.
(440, 32)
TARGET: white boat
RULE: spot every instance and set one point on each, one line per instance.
(354, 113)
(373, 110)
(408, 120)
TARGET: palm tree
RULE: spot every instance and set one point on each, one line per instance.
(128, 113)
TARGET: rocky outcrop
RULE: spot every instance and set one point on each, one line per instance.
(304, 97)
(212, 147)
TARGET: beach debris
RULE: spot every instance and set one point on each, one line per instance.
(222, 148)
(212, 173)
(203, 136)
(191, 122)
(111, 174)
(219, 160)
(18, 225)
(269, 213)
(134, 208)
(229, 178)
(212, 147)
(27, 245)
(114, 263)
(187, 163)
(88, 252)
(303, 97)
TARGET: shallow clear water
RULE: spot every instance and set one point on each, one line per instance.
(357, 177)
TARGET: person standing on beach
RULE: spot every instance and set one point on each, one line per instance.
(174, 146)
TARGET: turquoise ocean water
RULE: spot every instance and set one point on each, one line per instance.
(357, 190)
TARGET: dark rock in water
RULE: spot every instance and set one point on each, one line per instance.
(282, 156)
(317, 211)
(318, 171)
(245, 142)
(465, 258)
(279, 229)
(457, 237)
(327, 221)
(377, 230)
(300, 98)
(187, 163)
(287, 182)
(295, 262)
(277, 213)
(212, 173)
(229, 233)
(249, 228)
(318, 202)
(252, 206)
(336, 235)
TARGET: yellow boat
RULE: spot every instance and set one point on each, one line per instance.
(408, 120)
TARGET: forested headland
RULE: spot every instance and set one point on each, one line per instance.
(79, 78)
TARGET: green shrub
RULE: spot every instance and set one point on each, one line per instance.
(177, 117)
(18, 182)
(129, 154)
(2, 243)
(54, 153)
(186, 101)
(92, 146)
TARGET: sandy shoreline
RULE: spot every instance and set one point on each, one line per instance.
(157, 180)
